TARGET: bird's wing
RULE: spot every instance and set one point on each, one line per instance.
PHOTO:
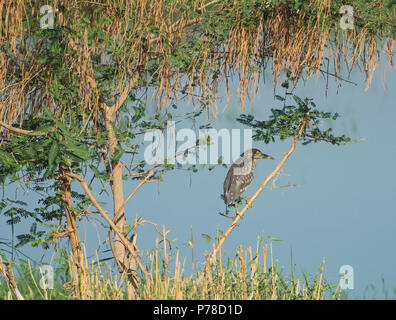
(231, 180)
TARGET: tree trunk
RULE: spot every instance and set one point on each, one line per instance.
(79, 270)
(125, 262)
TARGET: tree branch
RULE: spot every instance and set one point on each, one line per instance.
(124, 241)
(133, 192)
(248, 204)
(6, 270)
(124, 94)
(22, 131)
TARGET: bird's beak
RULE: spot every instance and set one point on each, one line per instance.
(266, 156)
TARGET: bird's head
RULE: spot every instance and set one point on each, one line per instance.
(257, 154)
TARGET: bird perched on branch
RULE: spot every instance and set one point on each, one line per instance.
(240, 176)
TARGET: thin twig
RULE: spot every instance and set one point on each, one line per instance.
(336, 76)
(276, 187)
(133, 192)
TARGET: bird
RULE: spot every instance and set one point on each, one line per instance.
(240, 176)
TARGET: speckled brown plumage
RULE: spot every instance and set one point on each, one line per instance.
(241, 174)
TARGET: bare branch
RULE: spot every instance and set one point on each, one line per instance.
(133, 192)
(124, 94)
(22, 131)
(124, 241)
(233, 224)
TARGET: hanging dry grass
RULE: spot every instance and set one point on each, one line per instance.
(181, 45)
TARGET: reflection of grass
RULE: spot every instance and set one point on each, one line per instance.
(372, 292)
(247, 276)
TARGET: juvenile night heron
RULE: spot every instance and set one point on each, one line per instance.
(240, 176)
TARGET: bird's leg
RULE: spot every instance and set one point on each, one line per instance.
(247, 200)
(244, 198)
(236, 208)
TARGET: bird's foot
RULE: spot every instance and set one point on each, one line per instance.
(225, 215)
(247, 201)
(237, 210)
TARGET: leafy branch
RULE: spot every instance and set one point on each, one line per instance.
(284, 122)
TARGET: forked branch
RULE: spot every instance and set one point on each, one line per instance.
(124, 241)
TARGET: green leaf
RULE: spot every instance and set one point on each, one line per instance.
(274, 239)
(53, 153)
(206, 237)
(33, 228)
(117, 155)
(285, 84)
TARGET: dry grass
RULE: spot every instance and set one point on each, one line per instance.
(250, 275)
(146, 34)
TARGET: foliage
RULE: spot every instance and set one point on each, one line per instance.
(73, 98)
(37, 156)
(284, 122)
(95, 50)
